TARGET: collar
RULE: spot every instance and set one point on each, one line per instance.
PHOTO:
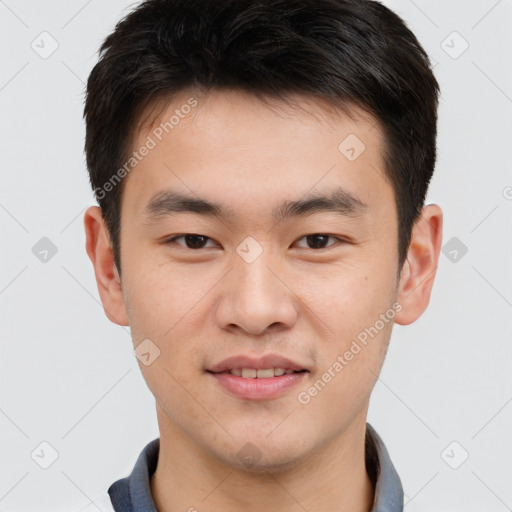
(133, 493)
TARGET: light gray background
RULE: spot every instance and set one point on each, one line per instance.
(69, 376)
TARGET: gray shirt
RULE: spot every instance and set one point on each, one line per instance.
(133, 493)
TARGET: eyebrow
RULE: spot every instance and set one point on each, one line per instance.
(340, 201)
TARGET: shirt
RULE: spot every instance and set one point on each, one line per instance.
(133, 493)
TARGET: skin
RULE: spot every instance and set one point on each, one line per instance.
(308, 303)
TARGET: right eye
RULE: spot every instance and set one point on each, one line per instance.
(192, 241)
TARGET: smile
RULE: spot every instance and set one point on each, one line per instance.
(261, 384)
(253, 373)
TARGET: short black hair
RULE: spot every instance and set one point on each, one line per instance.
(348, 52)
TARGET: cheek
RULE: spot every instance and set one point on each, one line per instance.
(347, 299)
(159, 297)
(342, 386)
(165, 306)
(354, 309)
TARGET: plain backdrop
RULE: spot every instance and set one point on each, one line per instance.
(69, 377)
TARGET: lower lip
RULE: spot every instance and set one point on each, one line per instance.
(258, 389)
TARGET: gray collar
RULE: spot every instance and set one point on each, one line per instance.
(133, 493)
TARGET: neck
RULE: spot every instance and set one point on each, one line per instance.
(189, 479)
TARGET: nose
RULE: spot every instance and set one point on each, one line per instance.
(256, 296)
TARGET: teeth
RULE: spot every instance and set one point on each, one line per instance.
(265, 374)
(251, 373)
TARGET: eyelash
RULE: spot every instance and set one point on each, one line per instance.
(173, 239)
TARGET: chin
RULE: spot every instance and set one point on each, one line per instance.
(270, 463)
(258, 452)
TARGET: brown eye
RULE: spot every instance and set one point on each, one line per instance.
(318, 241)
(192, 241)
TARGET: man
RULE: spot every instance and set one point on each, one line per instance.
(261, 169)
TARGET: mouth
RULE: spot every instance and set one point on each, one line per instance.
(257, 366)
(253, 373)
(258, 378)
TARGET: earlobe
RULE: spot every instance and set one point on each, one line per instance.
(100, 252)
(419, 269)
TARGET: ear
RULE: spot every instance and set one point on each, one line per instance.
(101, 254)
(419, 269)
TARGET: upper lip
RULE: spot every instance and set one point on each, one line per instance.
(258, 363)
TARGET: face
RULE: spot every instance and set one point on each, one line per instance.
(264, 273)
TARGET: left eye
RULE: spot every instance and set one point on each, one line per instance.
(192, 241)
(318, 239)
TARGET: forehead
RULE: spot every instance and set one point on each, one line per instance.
(231, 143)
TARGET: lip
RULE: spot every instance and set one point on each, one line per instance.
(257, 389)
(258, 363)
